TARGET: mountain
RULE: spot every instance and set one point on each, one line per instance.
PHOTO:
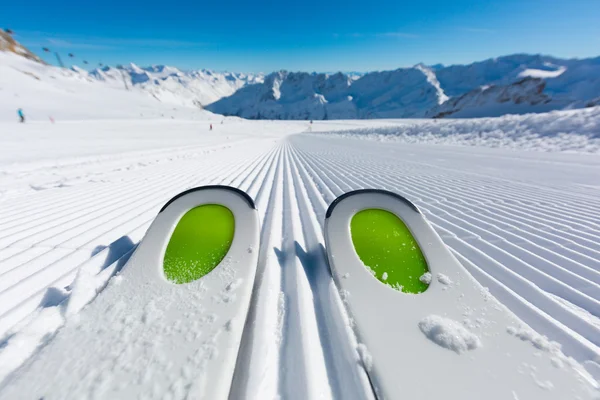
(154, 84)
(48, 93)
(515, 84)
(289, 95)
(9, 44)
(524, 96)
(171, 85)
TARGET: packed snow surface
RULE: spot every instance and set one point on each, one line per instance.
(564, 131)
(77, 196)
(78, 192)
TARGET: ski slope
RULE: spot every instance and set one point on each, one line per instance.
(76, 198)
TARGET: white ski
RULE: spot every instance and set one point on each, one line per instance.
(148, 337)
(452, 341)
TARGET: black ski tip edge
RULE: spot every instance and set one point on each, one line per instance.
(243, 194)
(366, 191)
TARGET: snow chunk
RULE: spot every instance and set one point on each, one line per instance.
(426, 278)
(384, 276)
(444, 279)
(449, 334)
(539, 342)
(365, 356)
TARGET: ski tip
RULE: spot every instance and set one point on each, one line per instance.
(243, 194)
(368, 191)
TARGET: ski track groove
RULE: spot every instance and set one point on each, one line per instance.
(36, 204)
(257, 371)
(341, 358)
(526, 241)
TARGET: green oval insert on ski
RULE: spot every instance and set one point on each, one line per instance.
(199, 243)
(386, 246)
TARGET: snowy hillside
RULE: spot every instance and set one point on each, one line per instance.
(46, 92)
(523, 96)
(288, 95)
(171, 85)
(9, 44)
(556, 131)
(514, 84)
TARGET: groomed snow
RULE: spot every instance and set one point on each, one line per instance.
(565, 131)
(77, 196)
(81, 181)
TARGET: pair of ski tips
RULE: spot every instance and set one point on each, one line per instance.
(425, 328)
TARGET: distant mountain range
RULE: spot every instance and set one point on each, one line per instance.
(514, 84)
(169, 84)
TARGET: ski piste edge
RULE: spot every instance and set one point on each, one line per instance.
(150, 337)
(454, 340)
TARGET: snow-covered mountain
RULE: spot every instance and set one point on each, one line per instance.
(45, 92)
(9, 44)
(160, 91)
(289, 95)
(523, 96)
(514, 84)
(171, 85)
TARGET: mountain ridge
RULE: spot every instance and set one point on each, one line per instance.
(421, 91)
(516, 84)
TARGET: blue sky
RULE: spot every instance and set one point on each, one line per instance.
(309, 36)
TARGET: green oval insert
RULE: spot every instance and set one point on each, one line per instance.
(388, 249)
(200, 241)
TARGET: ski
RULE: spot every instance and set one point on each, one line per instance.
(170, 325)
(426, 329)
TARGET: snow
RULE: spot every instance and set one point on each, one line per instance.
(444, 279)
(77, 196)
(365, 357)
(524, 96)
(23, 343)
(515, 84)
(45, 92)
(564, 131)
(432, 79)
(110, 183)
(426, 278)
(449, 334)
(537, 340)
(540, 73)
